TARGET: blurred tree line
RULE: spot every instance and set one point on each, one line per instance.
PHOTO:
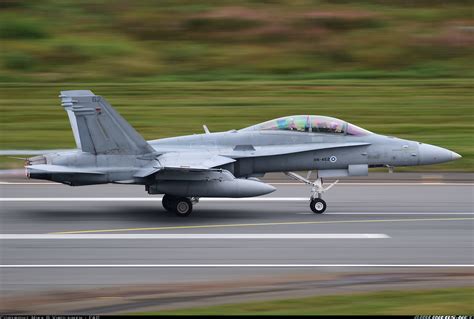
(119, 40)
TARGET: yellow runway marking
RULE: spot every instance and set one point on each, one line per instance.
(259, 224)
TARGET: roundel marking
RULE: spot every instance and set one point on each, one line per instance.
(333, 159)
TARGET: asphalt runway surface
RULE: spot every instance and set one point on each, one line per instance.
(115, 235)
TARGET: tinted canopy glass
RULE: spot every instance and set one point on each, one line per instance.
(310, 124)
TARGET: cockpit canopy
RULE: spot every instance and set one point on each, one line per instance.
(310, 124)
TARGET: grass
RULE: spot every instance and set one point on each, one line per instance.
(439, 301)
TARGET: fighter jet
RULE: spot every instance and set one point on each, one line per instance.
(222, 164)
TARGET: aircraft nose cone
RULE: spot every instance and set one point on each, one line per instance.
(431, 154)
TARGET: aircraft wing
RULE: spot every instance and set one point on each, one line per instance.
(241, 151)
(192, 160)
(178, 165)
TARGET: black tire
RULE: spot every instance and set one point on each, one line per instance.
(183, 207)
(168, 202)
(318, 206)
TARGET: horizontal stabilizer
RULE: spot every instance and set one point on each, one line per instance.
(59, 169)
(69, 175)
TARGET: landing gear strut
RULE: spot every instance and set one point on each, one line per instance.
(181, 206)
(317, 204)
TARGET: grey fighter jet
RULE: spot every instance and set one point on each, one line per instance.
(223, 164)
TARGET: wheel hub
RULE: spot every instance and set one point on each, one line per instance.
(182, 207)
(319, 206)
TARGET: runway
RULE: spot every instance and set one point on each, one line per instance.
(55, 237)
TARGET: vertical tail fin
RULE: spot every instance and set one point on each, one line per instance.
(98, 128)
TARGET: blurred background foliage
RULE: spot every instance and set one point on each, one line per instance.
(66, 40)
(397, 67)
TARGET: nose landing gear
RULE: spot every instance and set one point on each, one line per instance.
(317, 204)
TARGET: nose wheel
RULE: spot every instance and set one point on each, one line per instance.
(317, 204)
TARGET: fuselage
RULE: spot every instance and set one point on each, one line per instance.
(380, 150)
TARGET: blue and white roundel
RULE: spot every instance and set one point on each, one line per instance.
(333, 159)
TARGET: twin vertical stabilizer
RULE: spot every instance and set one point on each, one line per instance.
(98, 128)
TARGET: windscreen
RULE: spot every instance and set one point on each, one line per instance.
(310, 123)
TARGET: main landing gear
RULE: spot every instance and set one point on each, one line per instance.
(317, 204)
(181, 206)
